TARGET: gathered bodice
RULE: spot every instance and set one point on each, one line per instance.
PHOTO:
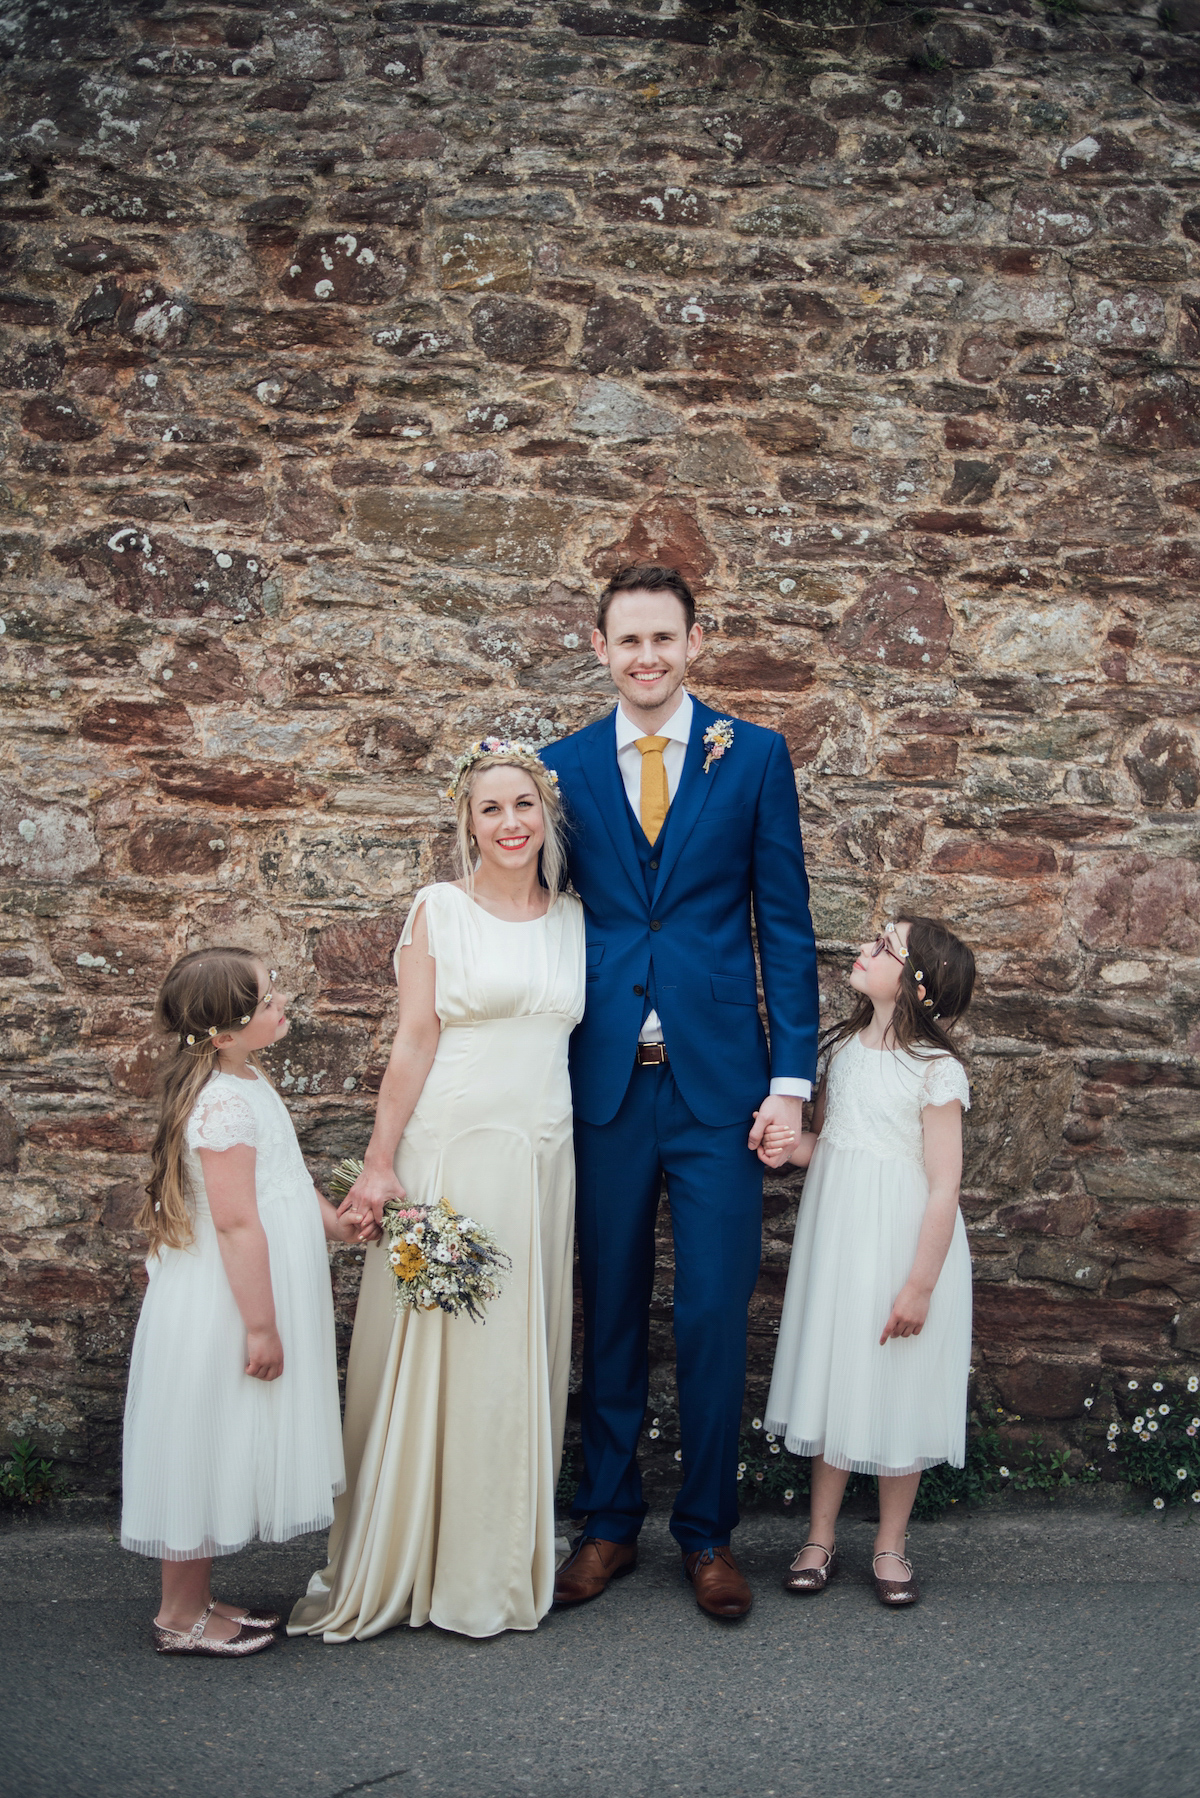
(490, 968)
(874, 1098)
(229, 1111)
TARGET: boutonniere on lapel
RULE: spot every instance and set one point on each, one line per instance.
(717, 739)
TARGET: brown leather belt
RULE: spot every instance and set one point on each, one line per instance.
(651, 1055)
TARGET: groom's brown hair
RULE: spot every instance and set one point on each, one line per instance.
(646, 577)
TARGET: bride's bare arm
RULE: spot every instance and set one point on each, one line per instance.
(407, 1070)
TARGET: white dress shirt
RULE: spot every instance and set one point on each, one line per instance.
(677, 730)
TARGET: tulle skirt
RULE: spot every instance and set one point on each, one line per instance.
(835, 1391)
(212, 1458)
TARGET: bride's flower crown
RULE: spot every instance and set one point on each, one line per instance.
(523, 754)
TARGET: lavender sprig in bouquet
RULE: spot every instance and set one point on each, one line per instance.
(440, 1260)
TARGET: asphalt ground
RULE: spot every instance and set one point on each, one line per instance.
(1055, 1652)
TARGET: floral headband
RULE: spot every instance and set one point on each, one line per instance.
(523, 754)
(918, 974)
(214, 1030)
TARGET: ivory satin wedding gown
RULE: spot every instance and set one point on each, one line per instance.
(453, 1428)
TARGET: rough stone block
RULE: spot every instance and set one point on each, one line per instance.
(517, 331)
(482, 530)
(484, 258)
(347, 266)
(901, 621)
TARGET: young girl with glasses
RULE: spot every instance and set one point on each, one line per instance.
(874, 1344)
(232, 1424)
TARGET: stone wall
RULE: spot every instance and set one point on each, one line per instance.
(344, 348)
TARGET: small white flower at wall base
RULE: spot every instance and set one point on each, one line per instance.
(1194, 1384)
(1159, 1504)
(1181, 1473)
(1087, 1404)
(1164, 1410)
(1004, 1473)
(679, 1454)
(1133, 1385)
(1157, 1386)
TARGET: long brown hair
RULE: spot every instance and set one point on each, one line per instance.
(205, 994)
(939, 962)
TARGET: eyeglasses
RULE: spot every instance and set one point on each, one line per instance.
(883, 947)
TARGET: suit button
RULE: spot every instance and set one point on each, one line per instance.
(640, 991)
(655, 925)
(654, 864)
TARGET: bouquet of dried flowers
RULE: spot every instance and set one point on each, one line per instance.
(440, 1260)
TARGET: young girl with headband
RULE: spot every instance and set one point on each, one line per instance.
(232, 1424)
(875, 1340)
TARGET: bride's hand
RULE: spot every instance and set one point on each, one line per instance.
(368, 1196)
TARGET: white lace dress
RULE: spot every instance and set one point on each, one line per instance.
(212, 1458)
(901, 1407)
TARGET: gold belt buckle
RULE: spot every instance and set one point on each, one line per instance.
(651, 1055)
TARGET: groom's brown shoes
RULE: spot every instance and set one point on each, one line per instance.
(718, 1584)
(592, 1563)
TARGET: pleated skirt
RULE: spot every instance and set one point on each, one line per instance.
(213, 1459)
(891, 1409)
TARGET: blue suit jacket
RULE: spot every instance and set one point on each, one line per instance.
(732, 840)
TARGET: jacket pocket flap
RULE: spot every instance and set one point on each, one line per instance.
(734, 989)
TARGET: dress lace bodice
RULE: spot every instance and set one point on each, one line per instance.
(874, 1098)
(229, 1111)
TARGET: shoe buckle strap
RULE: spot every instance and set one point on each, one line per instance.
(196, 1632)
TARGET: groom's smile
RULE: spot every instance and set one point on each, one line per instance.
(647, 646)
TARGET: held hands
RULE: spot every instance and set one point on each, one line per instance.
(355, 1226)
(908, 1314)
(264, 1354)
(366, 1199)
(776, 1129)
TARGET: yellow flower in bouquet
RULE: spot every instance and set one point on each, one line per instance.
(407, 1260)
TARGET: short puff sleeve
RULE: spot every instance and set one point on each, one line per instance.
(945, 1079)
(221, 1119)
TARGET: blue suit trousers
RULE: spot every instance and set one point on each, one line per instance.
(714, 1188)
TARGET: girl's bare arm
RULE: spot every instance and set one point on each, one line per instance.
(229, 1183)
(942, 1126)
(407, 1071)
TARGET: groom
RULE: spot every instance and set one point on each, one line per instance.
(681, 822)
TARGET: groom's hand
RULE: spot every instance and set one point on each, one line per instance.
(776, 1108)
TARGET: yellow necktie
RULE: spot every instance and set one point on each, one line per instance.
(656, 795)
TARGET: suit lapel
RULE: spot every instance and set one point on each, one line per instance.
(691, 796)
(599, 764)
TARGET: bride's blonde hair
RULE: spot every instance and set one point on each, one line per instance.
(553, 860)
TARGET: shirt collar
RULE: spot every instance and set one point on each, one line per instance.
(678, 725)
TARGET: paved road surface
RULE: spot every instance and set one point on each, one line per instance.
(1055, 1654)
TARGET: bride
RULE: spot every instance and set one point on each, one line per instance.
(453, 1429)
